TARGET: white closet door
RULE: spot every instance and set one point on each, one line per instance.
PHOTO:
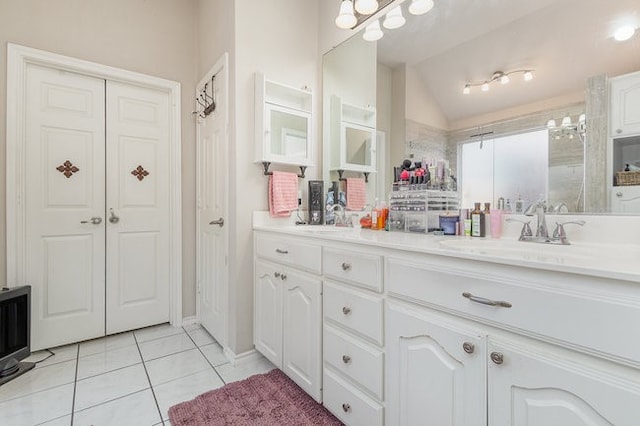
(137, 207)
(64, 182)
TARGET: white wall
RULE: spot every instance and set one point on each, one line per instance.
(151, 37)
(420, 105)
(280, 39)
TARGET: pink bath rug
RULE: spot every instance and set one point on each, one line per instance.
(264, 399)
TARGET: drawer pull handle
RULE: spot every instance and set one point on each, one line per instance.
(346, 359)
(346, 266)
(468, 347)
(489, 302)
(283, 277)
(346, 407)
(282, 251)
(497, 358)
(346, 310)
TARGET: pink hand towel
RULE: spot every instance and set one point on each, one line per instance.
(356, 194)
(283, 194)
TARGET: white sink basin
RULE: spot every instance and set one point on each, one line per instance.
(324, 229)
(517, 249)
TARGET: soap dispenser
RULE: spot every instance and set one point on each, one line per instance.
(477, 222)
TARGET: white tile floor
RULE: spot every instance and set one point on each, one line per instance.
(126, 379)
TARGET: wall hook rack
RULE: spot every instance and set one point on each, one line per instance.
(267, 164)
(206, 101)
(341, 172)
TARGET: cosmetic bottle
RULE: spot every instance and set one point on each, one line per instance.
(487, 219)
(519, 205)
(477, 222)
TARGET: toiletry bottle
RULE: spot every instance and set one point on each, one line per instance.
(382, 215)
(487, 219)
(519, 205)
(501, 203)
(507, 206)
(477, 222)
(374, 214)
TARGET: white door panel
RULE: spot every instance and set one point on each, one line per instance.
(137, 197)
(212, 191)
(65, 169)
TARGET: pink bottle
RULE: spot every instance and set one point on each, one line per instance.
(496, 223)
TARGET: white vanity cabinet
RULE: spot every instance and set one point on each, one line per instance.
(551, 348)
(288, 309)
(353, 333)
(625, 105)
(436, 369)
(625, 199)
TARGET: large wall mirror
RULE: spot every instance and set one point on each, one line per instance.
(414, 78)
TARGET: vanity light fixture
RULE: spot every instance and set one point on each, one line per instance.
(346, 18)
(420, 7)
(373, 31)
(502, 77)
(624, 33)
(394, 19)
(567, 127)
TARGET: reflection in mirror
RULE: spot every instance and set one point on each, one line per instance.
(288, 133)
(423, 67)
(359, 142)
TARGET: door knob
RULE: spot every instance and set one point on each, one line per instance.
(93, 221)
(112, 217)
(219, 222)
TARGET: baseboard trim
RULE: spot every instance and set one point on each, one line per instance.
(189, 320)
(241, 358)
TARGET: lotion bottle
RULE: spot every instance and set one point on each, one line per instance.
(477, 222)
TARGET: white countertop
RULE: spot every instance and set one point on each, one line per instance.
(606, 260)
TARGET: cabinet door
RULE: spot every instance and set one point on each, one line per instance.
(533, 387)
(625, 105)
(302, 330)
(436, 370)
(625, 199)
(267, 319)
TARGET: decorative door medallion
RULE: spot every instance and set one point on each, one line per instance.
(68, 169)
(140, 172)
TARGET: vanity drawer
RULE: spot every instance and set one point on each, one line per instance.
(552, 306)
(353, 309)
(291, 251)
(355, 359)
(361, 269)
(348, 404)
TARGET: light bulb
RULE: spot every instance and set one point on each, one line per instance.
(420, 7)
(504, 79)
(528, 75)
(551, 123)
(485, 87)
(566, 121)
(373, 31)
(466, 90)
(346, 19)
(394, 19)
(366, 7)
(624, 33)
(582, 118)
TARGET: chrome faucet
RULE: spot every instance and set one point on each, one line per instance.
(539, 208)
(340, 216)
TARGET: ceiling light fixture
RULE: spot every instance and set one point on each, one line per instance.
(420, 7)
(624, 33)
(394, 19)
(503, 77)
(346, 18)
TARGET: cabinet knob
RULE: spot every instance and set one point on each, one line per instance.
(346, 310)
(618, 131)
(468, 347)
(346, 359)
(619, 194)
(283, 277)
(346, 407)
(497, 358)
(276, 274)
(346, 266)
